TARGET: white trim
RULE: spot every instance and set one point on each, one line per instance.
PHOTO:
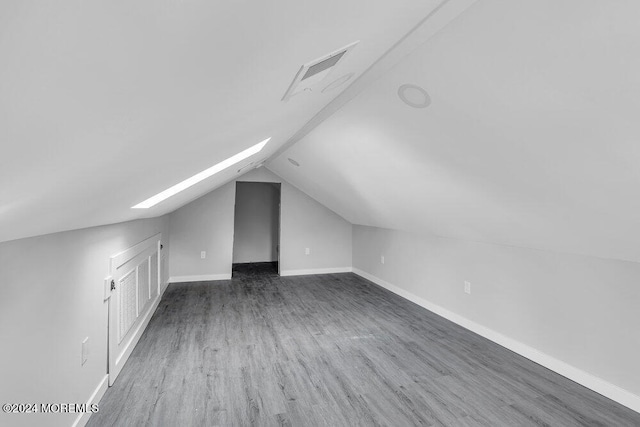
(605, 388)
(138, 252)
(97, 394)
(316, 271)
(119, 259)
(200, 278)
(133, 341)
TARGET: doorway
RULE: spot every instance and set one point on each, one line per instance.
(256, 230)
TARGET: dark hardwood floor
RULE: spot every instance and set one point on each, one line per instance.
(330, 350)
(254, 269)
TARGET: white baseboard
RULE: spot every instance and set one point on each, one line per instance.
(97, 394)
(605, 388)
(316, 271)
(200, 278)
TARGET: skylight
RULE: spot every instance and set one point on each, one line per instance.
(152, 201)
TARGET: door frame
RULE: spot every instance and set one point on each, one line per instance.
(119, 350)
(279, 234)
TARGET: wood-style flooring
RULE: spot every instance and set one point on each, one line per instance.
(330, 350)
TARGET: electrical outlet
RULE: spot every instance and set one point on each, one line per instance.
(467, 287)
(203, 254)
(85, 350)
(381, 259)
(307, 251)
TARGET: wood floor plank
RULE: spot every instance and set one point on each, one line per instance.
(330, 350)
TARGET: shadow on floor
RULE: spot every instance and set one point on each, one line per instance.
(255, 269)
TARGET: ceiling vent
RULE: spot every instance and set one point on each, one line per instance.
(314, 72)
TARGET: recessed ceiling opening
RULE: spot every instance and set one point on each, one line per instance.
(315, 72)
(324, 65)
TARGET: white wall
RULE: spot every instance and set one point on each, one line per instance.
(256, 222)
(51, 298)
(206, 224)
(580, 310)
(305, 223)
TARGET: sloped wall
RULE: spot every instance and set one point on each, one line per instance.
(51, 298)
(555, 308)
(206, 224)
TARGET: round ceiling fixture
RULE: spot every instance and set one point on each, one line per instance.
(293, 162)
(338, 82)
(414, 96)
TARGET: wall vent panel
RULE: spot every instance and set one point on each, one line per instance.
(127, 303)
(154, 276)
(143, 285)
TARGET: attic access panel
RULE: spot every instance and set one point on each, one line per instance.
(324, 65)
(314, 72)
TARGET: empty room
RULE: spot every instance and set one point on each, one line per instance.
(338, 213)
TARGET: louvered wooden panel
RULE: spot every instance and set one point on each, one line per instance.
(127, 303)
(133, 300)
(154, 275)
(143, 285)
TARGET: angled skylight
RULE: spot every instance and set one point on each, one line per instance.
(152, 201)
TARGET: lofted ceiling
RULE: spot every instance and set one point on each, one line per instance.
(532, 137)
(104, 104)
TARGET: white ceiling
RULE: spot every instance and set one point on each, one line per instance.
(104, 104)
(532, 138)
